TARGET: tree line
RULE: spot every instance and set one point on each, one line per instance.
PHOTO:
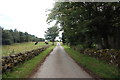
(88, 24)
(14, 36)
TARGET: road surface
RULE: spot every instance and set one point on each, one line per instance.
(59, 65)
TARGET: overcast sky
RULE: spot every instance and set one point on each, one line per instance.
(25, 15)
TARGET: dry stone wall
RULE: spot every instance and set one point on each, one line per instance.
(111, 56)
(8, 62)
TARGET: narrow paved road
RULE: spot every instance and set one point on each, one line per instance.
(59, 65)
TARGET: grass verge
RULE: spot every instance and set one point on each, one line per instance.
(95, 66)
(25, 69)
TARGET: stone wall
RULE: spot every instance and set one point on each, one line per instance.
(111, 56)
(8, 62)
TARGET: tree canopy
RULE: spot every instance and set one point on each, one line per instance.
(88, 24)
(14, 36)
(51, 33)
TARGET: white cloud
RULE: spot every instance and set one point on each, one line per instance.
(25, 15)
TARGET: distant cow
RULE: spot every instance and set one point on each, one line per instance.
(46, 42)
(36, 43)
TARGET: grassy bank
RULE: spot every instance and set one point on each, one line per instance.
(25, 69)
(20, 47)
(97, 67)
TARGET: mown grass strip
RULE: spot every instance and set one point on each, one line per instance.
(96, 66)
(25, 69)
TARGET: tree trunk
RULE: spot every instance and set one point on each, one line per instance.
(105, 42)
(53, 42)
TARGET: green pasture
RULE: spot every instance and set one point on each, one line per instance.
(20, 47)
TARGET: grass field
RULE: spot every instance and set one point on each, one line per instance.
(25, 69)
(20, 47)
(96, 66)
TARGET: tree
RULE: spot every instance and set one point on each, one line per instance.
(1, 35)
(41, 39)
(7, 37)
(88, 23)
(14, 36)
(22, 37)
(52, 33)
(26, 37)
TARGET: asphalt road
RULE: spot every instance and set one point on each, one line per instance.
(59, 65)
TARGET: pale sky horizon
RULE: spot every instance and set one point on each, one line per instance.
(25, 15)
